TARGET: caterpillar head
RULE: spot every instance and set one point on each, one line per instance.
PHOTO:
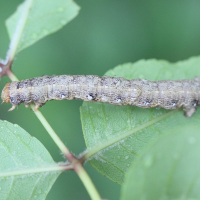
(5, 96)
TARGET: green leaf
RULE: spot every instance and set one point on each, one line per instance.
(168, 168)
(43, 19)
(27, 170)
(131, 128)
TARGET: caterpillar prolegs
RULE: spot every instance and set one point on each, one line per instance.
(166, 94)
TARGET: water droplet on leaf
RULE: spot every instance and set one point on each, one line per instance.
(63, 21)
(61, 9)
(45, 32)
(34, 35)
(126, 157)
(168, 74)
(141, 76)
(176, 156)
(192, 140)
(148, 160)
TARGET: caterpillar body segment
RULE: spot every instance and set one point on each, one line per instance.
(168, 94)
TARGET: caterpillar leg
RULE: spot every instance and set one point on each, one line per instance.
(36, 107)
(13, 107)
(189, 112)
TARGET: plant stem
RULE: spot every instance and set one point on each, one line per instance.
(52, 133)
(11, 75)
(87, 182)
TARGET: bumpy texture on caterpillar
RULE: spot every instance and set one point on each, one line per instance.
(166, 94)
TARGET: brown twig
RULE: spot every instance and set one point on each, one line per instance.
(5, 69)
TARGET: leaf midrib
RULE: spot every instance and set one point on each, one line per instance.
(127, 134)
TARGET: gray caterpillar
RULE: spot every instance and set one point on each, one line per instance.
(166, 94)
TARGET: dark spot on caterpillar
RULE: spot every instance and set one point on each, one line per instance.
(47, 80)
(144, 102)
(195, 103)
(118, 99)
(12, 100)
(21, 85)
(69, 94)
(31, 82)
(26, 82)
(148, 101)
(174, 102)
(18, 85)
(53, 81)
(74, 80)
(93, 96)
(63, 95)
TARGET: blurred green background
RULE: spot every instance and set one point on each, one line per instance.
(105, 34)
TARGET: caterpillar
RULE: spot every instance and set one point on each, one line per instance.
(168, 94)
